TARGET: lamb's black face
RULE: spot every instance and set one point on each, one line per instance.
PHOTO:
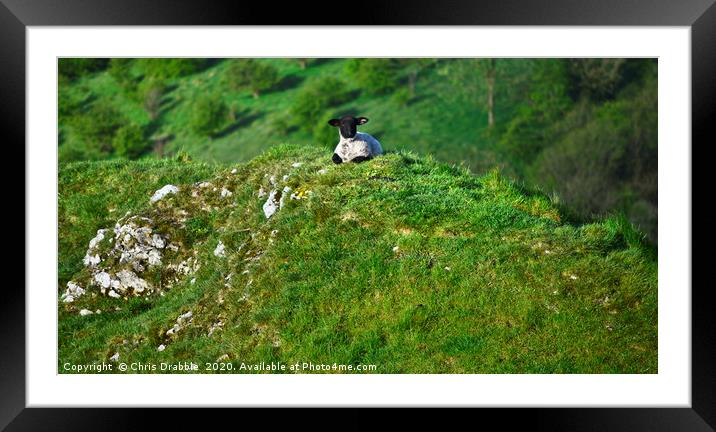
(348, 125)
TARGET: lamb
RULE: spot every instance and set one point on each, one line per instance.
(354, 146)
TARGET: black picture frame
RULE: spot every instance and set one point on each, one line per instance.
(699, 15)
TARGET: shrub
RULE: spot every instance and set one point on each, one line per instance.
(70, 101)
(121, 70)
(530, 129)
(324, 134)
(413, 68)
(170, 68)
(595, 78)
(252, 75)
(96, 127)
(70, 151)
(605, 158)
(315, 99)
(281, 124)
(375, 75)
(208, 115)
(401, 97)
(129, 141)
(73, 68)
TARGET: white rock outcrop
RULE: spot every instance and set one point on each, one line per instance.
(117, 259)
(282, 201)
(72, 292)
(220, 250)
(164, 191)
(271, 205)
(182, 321)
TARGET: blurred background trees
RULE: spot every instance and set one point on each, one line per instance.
(584, 130)
(252, 75)
(209, 113)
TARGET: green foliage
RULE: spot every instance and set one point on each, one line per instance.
(150, 92)
(208, 115)
(74, 151)
(71, 102)
(376, 75)
(413, 68)
(170, 68)
(97, 126)
(595, 78)
(129, 141)
(315, 99)
(605, 158)
(121, 69)
(303, 63)
(529, 130)
(251, 75)
(74, 68)
(401, 97)
(324, 134)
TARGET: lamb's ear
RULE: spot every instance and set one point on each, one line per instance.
(361, 120)
(334, 122)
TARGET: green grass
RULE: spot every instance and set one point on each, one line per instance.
(403, 262)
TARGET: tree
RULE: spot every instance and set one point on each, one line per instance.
(150, 92)
(208, 115)
(97, 125)
(74, 68)
(322, 133)
(121, 70)
(129, 141)
(595, 78)
(602, 156)
(314, 99)
(169, 68)
(477, 80)
(303, 63)
(489, 69)
(413, 68)
(376, 75)
(252, 75)
(545, 103)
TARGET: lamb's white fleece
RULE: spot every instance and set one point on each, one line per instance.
(362, 144)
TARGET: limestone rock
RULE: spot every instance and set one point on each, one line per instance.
(164, 191)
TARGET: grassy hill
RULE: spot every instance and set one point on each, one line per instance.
(403, 262)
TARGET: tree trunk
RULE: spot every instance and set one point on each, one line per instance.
(412, 79)
(490, 75)
(159, 147)
(159, 143)
(490, 103)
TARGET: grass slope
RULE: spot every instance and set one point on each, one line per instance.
(438, 122)
(402, 262)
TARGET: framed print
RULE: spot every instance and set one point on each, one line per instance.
(435, 209)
